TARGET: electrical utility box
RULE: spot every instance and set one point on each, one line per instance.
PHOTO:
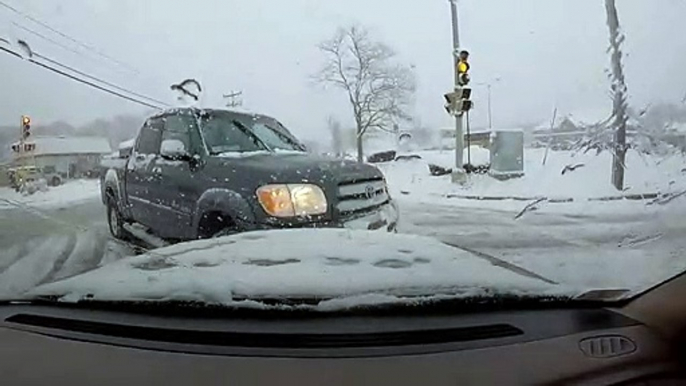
(507, 154)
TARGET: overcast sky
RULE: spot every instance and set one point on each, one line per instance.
(546, 53)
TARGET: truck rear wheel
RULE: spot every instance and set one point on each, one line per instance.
(114, 219)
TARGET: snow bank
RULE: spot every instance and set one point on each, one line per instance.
(644, 174)
(367, 266)
(61, 196)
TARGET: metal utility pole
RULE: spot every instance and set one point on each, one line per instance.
(490, 112)
(489, 86)
(459, 134)
(619, 91)
(233, 100)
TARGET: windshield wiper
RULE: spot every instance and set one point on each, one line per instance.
(504, 264)
(308, 308)
(249, 132)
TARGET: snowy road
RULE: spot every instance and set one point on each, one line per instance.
(595, 245)
(43, 245)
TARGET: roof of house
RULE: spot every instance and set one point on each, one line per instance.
(70, 145)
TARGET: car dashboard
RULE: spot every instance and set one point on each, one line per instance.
(72, 345)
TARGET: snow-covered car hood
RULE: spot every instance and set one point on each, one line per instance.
(340, 267)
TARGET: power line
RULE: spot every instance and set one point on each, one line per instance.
(64, 35)
(80, 72)
(77, 79)
(98, 79)
(34, 33)
(10, 52)
(94, 85)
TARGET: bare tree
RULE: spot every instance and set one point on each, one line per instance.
(378, 89)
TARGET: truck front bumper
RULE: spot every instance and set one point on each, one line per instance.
(383, 218)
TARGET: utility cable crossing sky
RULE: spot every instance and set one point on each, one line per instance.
(68, 71)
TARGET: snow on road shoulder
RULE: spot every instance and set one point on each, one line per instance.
(56, 197)
(645, 174)
(304, 266)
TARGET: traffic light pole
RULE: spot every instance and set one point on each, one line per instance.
(21, 143)
(458, 172)
(619, 96)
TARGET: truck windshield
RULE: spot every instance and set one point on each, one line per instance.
(272, 137)
(223, 134)
(227, 134)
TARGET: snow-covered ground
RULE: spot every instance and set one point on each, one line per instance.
(69, 193)
(55, 257)
(594, 244)
(644, 174)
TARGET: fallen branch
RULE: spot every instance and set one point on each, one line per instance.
(437, 171)
(530, 207)
(571, 168)
(667, 198)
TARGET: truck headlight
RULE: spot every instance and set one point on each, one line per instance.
(292, 200)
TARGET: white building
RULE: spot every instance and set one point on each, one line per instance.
(72, 157)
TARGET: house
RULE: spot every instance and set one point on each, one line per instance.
(71, 157)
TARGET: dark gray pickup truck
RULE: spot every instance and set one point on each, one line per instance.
(202, 173)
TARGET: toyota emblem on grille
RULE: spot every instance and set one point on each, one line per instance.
(369, 191)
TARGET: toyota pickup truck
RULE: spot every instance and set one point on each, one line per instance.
(201, 173)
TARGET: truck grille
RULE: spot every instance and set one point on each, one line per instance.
(360, 196)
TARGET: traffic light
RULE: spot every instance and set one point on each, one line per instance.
(463, 68)
(458, 102)
(25, 126)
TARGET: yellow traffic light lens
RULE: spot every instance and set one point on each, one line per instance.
(462, 67)
(25, 120)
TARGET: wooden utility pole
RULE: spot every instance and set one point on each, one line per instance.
(233, 99)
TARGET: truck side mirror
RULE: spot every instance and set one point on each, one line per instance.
(174, 150)
(125, 152)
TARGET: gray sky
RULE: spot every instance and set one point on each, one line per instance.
(546, 53)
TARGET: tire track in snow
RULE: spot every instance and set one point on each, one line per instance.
(59, 262)
(31, 268)
(11, 256)
(86, 255)
(115, 250)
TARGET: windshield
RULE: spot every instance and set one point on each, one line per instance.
(225, 134)
(341, 154)
(273, 137)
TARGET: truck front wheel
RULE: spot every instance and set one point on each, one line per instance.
(216, 224)
(114, 219)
